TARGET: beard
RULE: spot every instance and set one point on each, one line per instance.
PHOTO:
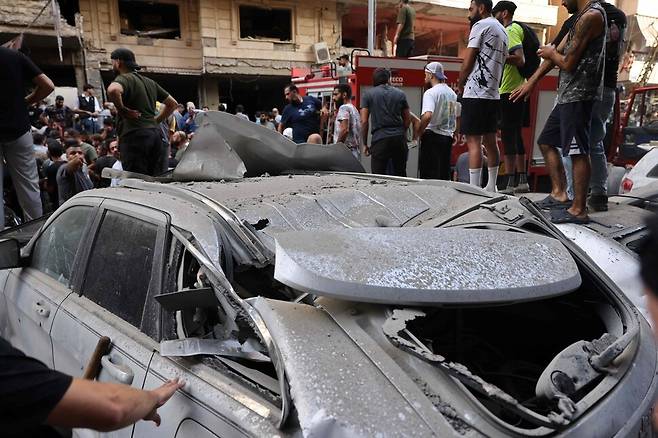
(475, 19)
(339, 102)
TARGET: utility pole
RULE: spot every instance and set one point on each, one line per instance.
(372, 18)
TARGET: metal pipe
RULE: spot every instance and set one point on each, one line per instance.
(372, 17)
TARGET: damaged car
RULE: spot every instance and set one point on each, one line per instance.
(330, 304)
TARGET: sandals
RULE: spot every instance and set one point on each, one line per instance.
(564, 217)
(550, 203)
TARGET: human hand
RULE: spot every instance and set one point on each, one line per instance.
(546, 52)
(523, 92)
(366, 150)
(161, 396)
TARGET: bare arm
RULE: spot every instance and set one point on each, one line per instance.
(524, 91)
(109, 406)
(424, 121)
(343, 130)
(170, 105)
(44, 86)
(364, 129)
(587, 28)
(516, 59)
(398, 29)
(406, 118)
(114, 95)
(467, 68)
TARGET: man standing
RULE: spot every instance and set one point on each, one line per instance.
(88, 110)
(388, 110)
(347, 125)
(264, 120)
(404, 33)
(343, 69)
(479, 80)
(302, 114)
(602, 111)
(73, 177)
(16, 74)
(90, 152)
(512, 113)
(437, 124)
(239, 112)
(134, 97)
(60, 113)
(580, 58)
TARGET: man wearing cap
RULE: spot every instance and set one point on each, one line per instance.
(512, 113)
(88, 109)
(134, 96)
(437, 124)
(478, 84)
(386, 109)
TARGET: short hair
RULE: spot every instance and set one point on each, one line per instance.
(221, 107)
(343, 56)
(59, 97)
(648, 253)
(344, 88)
(71, 132)
(38, 138)
(87, 87)
(380, 76)
(239, 108)
(108, 121)
(70, 143)
(55, 148)
(488, 4)
(291, 87)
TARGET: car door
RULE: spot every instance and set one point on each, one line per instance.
(34, 293)
(122, 266)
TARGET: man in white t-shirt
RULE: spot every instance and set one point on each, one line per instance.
(478, 85)
(437, 124)
(347, 125)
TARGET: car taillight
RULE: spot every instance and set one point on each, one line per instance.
(627, 185)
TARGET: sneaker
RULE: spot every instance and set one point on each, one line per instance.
(509, 190)
(598, 202)
(522, 188)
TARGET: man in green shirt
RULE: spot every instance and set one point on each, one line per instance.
(512, 113)
(134, 96)
(404, 33)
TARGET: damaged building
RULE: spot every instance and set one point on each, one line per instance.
(233, 52)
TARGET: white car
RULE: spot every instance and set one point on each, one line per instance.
(643, 173)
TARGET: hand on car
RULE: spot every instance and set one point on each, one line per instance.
(161, 395)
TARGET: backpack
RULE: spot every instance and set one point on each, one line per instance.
(530, 47)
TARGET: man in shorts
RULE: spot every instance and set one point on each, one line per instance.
(566, 133)
(478, 84)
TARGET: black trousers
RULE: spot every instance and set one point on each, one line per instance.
(142, 151)
(404, 48)
(389, 148)
(434, 160)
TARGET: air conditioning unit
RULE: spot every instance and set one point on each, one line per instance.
(322, 55)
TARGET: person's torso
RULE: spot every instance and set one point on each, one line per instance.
(616, 23)
(585, 82)
(303, 118)
(86, 103)
(349, 112)
(484, 80)
(60, 115)
(385, 111)
(139, 93)
(444, 116)
(14, 119)
(512, 78)
(407, 31)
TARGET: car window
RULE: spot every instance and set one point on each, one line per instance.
(120, 265)
(54, 251)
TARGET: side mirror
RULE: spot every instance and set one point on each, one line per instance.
(10, 254)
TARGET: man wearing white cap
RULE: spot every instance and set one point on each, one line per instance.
(437, 124)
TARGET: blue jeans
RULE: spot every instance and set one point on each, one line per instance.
(601, 114)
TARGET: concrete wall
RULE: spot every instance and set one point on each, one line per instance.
(102, 33)
(226, 53)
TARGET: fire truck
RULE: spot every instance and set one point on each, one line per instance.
(408, 74)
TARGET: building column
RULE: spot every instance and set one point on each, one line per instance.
(209, 92)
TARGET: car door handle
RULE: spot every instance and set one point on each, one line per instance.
(41, 310)
(119, 372)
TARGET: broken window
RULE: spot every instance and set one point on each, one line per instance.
(149, 19)
(262, 23)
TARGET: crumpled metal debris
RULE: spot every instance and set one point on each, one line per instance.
(218, 347)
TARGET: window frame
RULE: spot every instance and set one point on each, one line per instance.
(160, 255)
(284, 6)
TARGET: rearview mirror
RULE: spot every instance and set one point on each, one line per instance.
(10, 254)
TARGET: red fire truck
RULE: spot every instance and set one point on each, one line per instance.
(408, 75)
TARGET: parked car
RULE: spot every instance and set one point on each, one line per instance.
(332, 305)
(643, 173)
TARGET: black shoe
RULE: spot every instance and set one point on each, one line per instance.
(598, 202)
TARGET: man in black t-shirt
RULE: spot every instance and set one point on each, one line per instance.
(16, 74)
(33, 398)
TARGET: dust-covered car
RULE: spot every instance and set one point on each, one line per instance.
(332, 305)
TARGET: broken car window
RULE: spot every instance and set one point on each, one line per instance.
(119, 270)
(55, 250)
